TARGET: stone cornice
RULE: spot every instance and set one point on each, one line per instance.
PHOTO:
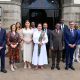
(71, 5)
(11, 3)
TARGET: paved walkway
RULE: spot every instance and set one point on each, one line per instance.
(45, 74)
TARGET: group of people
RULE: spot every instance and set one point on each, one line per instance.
(31, 45)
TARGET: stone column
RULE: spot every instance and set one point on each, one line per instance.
(11, 12)
(71, 10)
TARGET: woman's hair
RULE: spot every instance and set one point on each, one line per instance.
(39, 24)
(12, 26)
(19, 24)
(29, 22)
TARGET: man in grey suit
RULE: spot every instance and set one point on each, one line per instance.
(57, 44)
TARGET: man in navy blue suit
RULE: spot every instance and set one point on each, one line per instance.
(70, 37)
(63, 28)
(2, 48)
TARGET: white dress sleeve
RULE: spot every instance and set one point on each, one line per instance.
(35, 38)
(45, 40)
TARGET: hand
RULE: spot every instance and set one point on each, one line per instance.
(70, 45)
(13, 46)
(52, 48)
(28, 41)
(1, 48)
(74, 45)
(40, 43)
(63, 47)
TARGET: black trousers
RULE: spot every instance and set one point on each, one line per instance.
(56, 57)
(47, 48)
(63, 54)
(2, 56)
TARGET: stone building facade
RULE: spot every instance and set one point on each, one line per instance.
(10, 11)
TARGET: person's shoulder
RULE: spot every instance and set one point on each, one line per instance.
(53, 31)
(61, 31)
(35, 32)
(9, 32)
(3, 29)
(48, 30)
(23, 28)
(66, 25)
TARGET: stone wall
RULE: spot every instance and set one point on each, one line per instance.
(11, 13)
(71, 12)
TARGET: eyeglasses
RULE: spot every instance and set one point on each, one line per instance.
(71, 24)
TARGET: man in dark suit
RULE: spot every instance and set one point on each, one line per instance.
(63, 28)
(57, 45)
(70, 37)
(2, 48)
(45, 28)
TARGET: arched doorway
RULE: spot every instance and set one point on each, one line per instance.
(46, 11)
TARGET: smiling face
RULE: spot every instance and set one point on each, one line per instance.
(39, 27)
(57, 26)
(27, 24)
(72, 25)
(33, 24)
(45, 25)
(13, 27)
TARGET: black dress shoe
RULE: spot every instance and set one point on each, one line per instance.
(58, 68)
(72, 68)
(4, 71)
(66, 68)
(52, 67)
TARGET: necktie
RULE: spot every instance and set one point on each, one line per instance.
(45, 30)
(72, 32)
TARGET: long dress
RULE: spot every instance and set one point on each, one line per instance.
(21, 45)
(13, 52)
(27, 47)
(40, 59)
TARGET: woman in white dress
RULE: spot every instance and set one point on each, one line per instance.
(27, 44)
(39, 53)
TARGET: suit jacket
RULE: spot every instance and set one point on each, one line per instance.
(57, 41)
(3, 38)
(69, 38)
(49, 35)
(78, 42)
(65, 27)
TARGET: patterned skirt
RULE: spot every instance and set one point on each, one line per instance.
(13, 55)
